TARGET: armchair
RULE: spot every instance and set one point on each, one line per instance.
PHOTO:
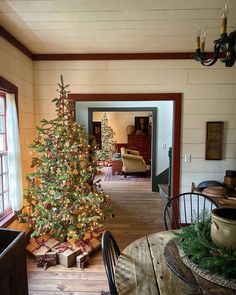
(132, 161)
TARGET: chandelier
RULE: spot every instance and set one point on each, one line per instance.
(224, 47)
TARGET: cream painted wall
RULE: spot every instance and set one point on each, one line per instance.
(119, 121)
(18, 69)
(209, 94)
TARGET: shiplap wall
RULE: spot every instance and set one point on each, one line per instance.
(18, 69)
(209, 94)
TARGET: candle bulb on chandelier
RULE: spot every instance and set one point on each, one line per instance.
(198, 34)
(203, 40)
(224, 20)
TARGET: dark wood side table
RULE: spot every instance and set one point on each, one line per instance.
(116, 166)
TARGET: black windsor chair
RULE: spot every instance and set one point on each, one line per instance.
(111, 253)
(186, 209)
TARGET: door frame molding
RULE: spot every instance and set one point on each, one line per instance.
(177, 119)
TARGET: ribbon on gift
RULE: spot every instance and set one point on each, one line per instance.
(63, 247)
(40, 243)
(45, 261)
(83, 243)
(84, 263)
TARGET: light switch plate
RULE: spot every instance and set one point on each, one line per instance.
(187, 158)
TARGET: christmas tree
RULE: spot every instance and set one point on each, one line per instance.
(108, 143)
(62, 198)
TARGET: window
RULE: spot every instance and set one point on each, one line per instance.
(5, 204)
(11, 190)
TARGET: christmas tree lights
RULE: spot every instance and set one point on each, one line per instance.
(108, 143)
(63, 201)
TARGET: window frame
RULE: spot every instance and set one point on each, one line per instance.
(7, 87)
(3, 173)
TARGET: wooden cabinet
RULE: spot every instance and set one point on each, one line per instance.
(142, 143)
(13, 274)
(117, 166)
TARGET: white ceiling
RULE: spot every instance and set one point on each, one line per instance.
(113, 26)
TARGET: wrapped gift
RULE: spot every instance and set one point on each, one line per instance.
(97, 234)
(88, 244)
(67, 253)
(41, 245)
(95, 244)
(82, 260)
(87, 236)
(46, 260)
(34, 248)
(48, 241)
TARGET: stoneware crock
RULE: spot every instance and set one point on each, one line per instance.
(223, 227)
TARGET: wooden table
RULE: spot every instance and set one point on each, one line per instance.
(142, 269)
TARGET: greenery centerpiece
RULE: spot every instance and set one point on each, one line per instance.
(195, 243)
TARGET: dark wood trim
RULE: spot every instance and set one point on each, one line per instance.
(177, 109)
(5, 222)
(115, 56)
(7, 86)
(11, 39)
(123, 96)
(119, 56)
(177, 145)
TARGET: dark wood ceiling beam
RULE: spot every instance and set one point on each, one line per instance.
(115, 56)
(13, 41)
(96, 56)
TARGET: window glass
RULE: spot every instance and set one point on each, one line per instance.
(1, 204)
(2, 105)
(1, 184)
(4, 164)
(2, 124)
(7, 203)
(2, 142)
(5, 182)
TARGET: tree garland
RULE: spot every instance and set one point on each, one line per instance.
(195, 241)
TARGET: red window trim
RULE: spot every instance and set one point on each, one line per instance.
(8, 87)
(8, 210)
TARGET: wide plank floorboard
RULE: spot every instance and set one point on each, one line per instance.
(138, 212)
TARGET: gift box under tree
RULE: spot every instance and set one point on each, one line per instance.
(67, 253)
(46, 260)
(41, 245)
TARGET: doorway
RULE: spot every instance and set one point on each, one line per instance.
(176, 98)
(139, 110)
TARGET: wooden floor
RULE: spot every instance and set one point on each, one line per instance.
(138, 212)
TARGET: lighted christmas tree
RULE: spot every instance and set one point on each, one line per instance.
(62, 197)
(108, 143)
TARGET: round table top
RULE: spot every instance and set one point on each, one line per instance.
(142, 270)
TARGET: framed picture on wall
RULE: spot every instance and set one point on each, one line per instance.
(214, 140)
(97, 136)
(141, 124)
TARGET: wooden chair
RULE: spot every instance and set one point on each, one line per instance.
(186, 209)
(111, 253)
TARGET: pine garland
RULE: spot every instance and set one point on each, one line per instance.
(196, 243)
